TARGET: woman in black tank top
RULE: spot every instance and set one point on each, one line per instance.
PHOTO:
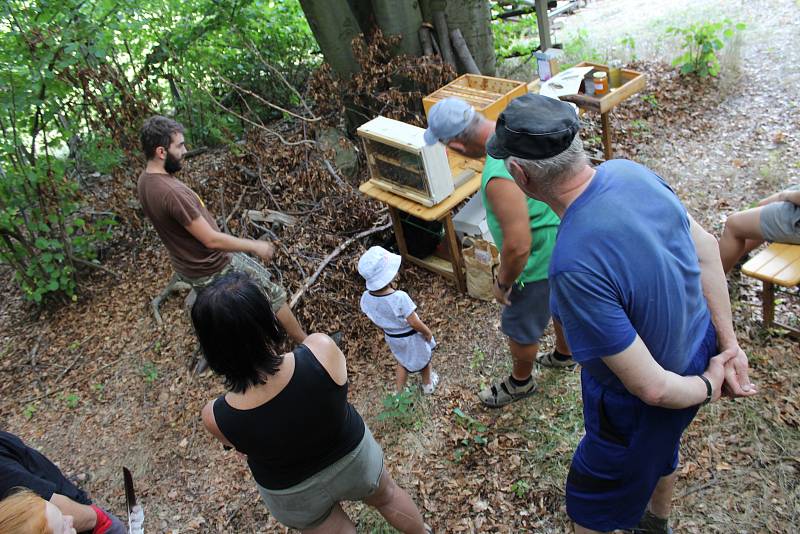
(306, 446)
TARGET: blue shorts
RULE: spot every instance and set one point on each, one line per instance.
(526, 318)
(627, 448)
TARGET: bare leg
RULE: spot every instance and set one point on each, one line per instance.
(742, 233)
(400, 377)
(396, 506)
(337, 523)
(523, 357)
(661, 501)
(426, 374)
(561, 341)
(289, 323)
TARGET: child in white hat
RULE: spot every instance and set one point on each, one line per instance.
(393, 311)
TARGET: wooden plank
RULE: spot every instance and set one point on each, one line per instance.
(435, 264)
(633, 82)
(480, 88)
(779, 264)
(455, 254)
(608, 151)
(433, 213)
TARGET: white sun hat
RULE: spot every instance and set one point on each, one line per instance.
(378, 266)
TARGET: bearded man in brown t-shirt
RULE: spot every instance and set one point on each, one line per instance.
(198, 250)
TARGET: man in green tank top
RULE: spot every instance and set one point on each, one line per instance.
(524, 231)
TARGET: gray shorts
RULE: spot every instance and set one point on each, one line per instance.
(780, 222)
(526, 318)
(308, 504)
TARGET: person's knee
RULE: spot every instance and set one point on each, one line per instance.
(385, 494)
(738, 225)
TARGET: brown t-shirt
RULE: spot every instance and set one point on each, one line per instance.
(172, 206)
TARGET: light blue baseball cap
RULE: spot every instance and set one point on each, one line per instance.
(447, 118)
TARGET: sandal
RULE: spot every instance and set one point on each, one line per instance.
(428, 389)
(551, 359)
(504, 392)
(652, 524)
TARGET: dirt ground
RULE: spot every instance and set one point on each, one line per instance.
(97, 384)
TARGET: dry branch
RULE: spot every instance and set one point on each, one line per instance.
(338, 250)
(463, 52)
(173, 286)
(440, 21)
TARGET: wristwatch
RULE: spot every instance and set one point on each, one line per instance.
(503, 287)
(709, 389)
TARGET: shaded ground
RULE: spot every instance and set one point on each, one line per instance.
(98, 385)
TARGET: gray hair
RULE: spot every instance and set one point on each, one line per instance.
(547, 173)
(470, 131)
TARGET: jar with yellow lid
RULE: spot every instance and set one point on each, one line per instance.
(600, 83)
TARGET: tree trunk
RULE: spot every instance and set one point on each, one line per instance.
(473, 18)
(400, 17)
(334, 27)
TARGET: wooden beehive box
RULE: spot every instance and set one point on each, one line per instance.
(399, 161)
(488, 95)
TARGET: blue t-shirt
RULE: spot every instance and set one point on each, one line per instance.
(625, 264)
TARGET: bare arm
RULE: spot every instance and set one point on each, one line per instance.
(83, 515)
(715, 290)
(510, 206)
(329, 355)
(416, 323)
(211, 424)
(215, 240)
(646, 379)
(783, 196)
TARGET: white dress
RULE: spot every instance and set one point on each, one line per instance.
(389, 313)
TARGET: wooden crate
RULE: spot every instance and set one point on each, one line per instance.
(399, 161)
(632, 82)
(488, 95)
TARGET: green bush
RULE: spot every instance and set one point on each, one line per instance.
(513, 38)
(701, 44)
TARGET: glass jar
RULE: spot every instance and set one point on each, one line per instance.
(615, 73)
(600, 83)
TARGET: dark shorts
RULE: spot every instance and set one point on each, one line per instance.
(627, 448)
(527, 317)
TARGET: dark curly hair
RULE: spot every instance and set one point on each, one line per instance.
(237, 330)
(157, 131)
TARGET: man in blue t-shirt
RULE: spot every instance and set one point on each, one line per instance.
(639, 289)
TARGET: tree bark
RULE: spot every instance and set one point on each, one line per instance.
(426, 41)
(473, 17)
(400, 17)
(440, 22)
(334, 27)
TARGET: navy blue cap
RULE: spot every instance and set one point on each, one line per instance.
(533, 127)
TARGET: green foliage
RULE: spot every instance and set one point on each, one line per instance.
(579, 48)
(514, 38)
(72, 400)
(629, 45)
(701, 42)
(475, 433)
(150, 372)
(651, 99)
(520, 488)
(400, 408)
(78, 78)
(29, 411)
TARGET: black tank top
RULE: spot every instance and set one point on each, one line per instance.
(306, 427)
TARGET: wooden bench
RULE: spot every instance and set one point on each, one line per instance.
(778, 264)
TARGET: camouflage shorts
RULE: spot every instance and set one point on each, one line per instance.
(242, 263)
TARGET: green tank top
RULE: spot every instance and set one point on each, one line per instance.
(544, 225)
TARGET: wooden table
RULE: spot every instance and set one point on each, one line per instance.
(632, 83)
(454, 269)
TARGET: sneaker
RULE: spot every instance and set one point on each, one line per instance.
(428, 389)
(555, 359)
(505, 392)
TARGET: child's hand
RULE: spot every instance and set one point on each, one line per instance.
(428, 336)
